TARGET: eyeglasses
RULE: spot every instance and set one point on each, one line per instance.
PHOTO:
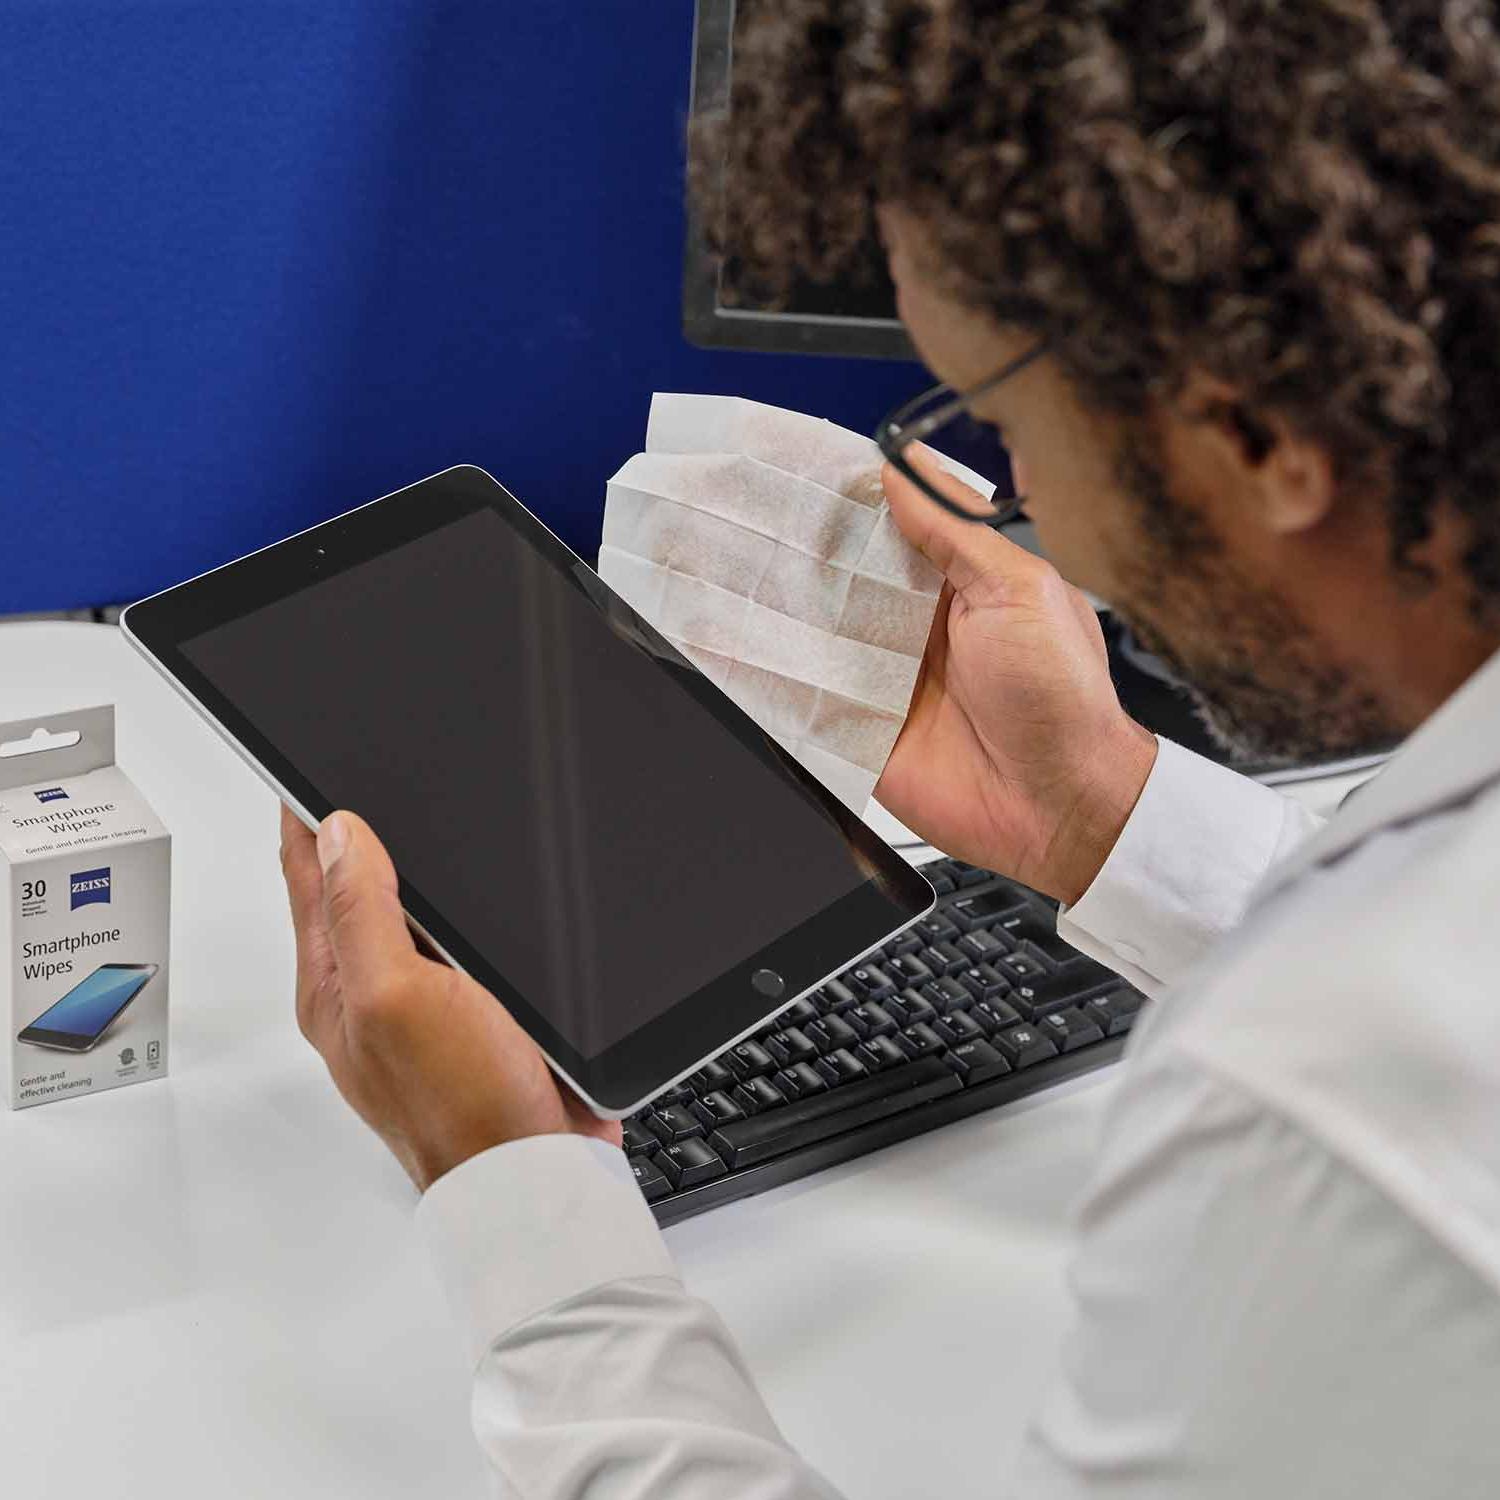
(918, 419)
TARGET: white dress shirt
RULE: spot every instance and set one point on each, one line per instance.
(1288, 1274)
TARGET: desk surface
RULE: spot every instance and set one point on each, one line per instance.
(209, 1284)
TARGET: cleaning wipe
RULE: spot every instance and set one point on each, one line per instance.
(759, 542)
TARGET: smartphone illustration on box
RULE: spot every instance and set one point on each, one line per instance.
(78, 1021)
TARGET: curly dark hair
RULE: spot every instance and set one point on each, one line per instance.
(1300, 197)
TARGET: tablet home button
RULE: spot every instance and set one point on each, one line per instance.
(768, 983)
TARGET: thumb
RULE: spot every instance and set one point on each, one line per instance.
(366, 927)
(974, 558)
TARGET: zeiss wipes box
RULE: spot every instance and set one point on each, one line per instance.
(85, 885)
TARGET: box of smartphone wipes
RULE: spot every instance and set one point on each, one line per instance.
(85, 886)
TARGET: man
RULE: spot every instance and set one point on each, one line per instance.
(1252, 248)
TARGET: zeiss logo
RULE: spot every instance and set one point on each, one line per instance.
(86, 887)
(52, 794)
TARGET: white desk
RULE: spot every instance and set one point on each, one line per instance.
(209, 1285)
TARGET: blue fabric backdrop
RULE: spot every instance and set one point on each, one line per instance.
(261, 262)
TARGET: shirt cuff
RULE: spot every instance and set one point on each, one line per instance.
(1181, 874)
(524, 1226)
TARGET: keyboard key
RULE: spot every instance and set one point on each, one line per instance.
(979, 910)
(995, 1015)
(1023, 1045)
(717, 1109)
(749, 1059)
(935, 929)
(972, 875)
(649, 1179)
(939, 878)
(945, 958)
(919, 1040)
(638, 1139)
(1116, 1011)
(983, 981)
(870, 1098)
(1054, 955)
(975, 1062)
(881, 1052)
(909, 970)
(799, 1080)
(870, 982)
(713, 1075)
(1057, 991)
(871, 1020)
(1071, 1029)
(756, 1094)
(908, 942)
(1084, 974)
(1019, 968)
(679, 1093)
(1052, 948)
(689, 1162)
(982, 947)
(831, 1033)
(1031, 934)
(802, 1013)
(836, 997)
(841, 1067)
(909, 1007)
(792, 1045)
(943, 994)
(673, 1122)
(958, 1026)
(799, 1044)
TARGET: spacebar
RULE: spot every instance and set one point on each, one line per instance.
(815, 1119)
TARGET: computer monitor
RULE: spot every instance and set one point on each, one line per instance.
(854, 316)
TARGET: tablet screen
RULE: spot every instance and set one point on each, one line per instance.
(606, 843)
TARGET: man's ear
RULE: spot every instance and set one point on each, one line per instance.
(1291, 476)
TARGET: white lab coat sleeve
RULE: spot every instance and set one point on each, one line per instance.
(597, 1375)
(1252, 1317)
(1181, 874)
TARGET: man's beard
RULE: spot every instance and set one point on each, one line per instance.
(1253, 670)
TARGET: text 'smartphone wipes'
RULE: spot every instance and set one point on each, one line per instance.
(85, 897)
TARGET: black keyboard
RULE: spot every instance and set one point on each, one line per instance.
(978, 1004)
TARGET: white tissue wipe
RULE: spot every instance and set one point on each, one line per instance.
(686, 539)
(852, 785)
(690, 541)
(887, 554)
(705, 617)
(876, 676)
(826, 454)
(782, 705)
(757, 541)
(805, 589)
(885, 614)
(763, 499)
(854, 732)
(810, 447)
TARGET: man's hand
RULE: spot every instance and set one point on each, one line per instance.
(1016, 754)
(428, 1059)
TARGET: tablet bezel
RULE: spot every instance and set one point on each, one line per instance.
(695, 1027)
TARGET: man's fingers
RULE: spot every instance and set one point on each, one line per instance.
(972, 557)
(366, 927)
(304, 886)
(299, 863)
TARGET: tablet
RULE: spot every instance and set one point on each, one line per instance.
(580, 819)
